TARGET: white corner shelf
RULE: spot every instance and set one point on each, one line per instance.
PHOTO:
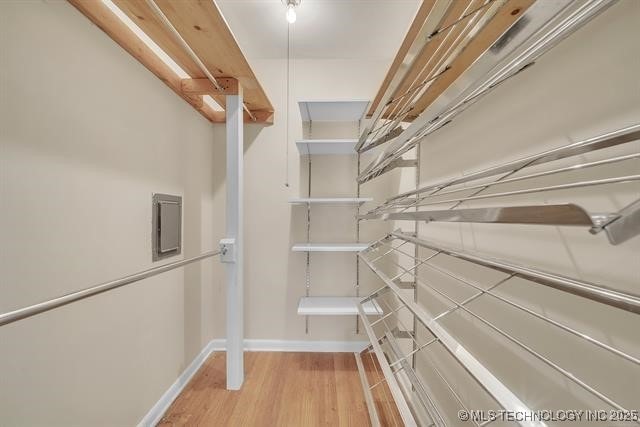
(333, 111)
(326, 146)
(329, 247)
(335, 306)
(330, 201)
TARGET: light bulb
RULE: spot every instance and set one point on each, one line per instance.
(291, 14)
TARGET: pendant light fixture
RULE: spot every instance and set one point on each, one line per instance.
(291, 10)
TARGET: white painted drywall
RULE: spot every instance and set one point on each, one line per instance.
(87, 134)
(275, 277)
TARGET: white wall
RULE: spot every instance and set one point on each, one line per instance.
(275, 277)
(87, 134)
(588, 85)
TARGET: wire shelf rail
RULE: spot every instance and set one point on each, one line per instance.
(408, 354)
(442, 201)
(433, 100)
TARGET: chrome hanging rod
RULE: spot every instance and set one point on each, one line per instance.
(538, 175)
(524, 346)
(623, 300)
(609, 139)
(496, 389)
(32, 310)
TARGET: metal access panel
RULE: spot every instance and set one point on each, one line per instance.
(167, 226)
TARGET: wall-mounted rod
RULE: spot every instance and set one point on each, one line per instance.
(580, 184)
(626, 301)
(396, 392)
(41, 307)
(609, 139)
(485, 378)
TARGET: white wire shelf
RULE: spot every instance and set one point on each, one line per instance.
(330, 201)
(333, 111)
(326, 146)
(336, 306)
(329, 247)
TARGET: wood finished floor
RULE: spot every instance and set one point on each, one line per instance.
(280, 389)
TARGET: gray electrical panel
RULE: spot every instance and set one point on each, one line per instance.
(167, 226)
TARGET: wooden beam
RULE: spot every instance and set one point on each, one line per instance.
(416, 26)
(205, 87)
(145, 18)
(489, 34)
(102, 17)
(98, 13)
(203, 27)
(438, 47)
(262, 117)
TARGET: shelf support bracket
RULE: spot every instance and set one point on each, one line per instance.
(623, 226)
(234, 233)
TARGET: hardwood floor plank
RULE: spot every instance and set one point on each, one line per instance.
(280, 389)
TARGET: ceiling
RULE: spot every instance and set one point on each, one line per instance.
(325, 29)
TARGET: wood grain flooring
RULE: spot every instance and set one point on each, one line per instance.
(280, 389)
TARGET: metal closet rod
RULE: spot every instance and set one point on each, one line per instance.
(402, 358)
(609, 139)
(484, 186)
(620, 226)
(492, 385)
(524, 346)
(32, 310)
(489, 291)
(615, 298)
(396, 392)
(622, 136)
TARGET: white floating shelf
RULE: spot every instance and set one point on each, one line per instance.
(331, 201)
(335, 306)
(326, 146)
(333, 111)
(329, 247)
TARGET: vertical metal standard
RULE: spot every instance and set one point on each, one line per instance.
(416, 253)
(234, 231)
(308, 263)
(358, 232)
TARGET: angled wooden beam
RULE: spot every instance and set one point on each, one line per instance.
(98, 13)
(439, 46)
(509, 13)
(202, 26)
(203, 86)
(103, 18)
(412, 33)
(145, 18)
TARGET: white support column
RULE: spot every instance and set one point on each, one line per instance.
(234, 211)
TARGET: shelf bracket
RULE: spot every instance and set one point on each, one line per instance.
(624, 226)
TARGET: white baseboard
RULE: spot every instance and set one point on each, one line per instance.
(302, 346)
(155, 414)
